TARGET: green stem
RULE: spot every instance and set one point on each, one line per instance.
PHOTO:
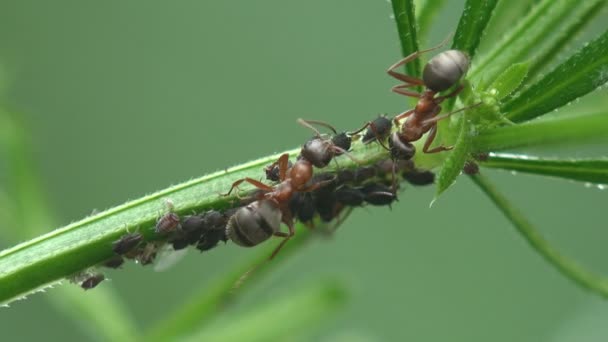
(65, 251)
(560, 131)
(566, 266)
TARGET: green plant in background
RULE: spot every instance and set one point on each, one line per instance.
(517, 81)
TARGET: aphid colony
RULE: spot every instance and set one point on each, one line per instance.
(296, 193)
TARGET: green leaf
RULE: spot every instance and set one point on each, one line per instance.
(472, 25)
(533, 36)
(580, 74)
(295, 313)
(584, 170)
(426, 15)
(571, 131)
(454, 163)
(567, 31)
(408, 33)
(506, 15)
(564, 265)
(510, 79)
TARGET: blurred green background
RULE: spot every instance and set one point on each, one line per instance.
(122, 98)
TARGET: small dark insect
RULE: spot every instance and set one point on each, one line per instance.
(419, 177)
(350, 196)
(471, 168)
(302, 206)
(169, 222)
(214, 230)
(378, 129)
(127, 243)
(210, 239)
(146, 255)
(442, 72)
(255, 223)
(378, 194)
(92, 281)
(272, 171)
(114, 262)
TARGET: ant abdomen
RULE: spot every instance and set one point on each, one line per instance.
(445, 70)
(254, 223)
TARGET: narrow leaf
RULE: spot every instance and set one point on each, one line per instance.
(454, 163)
(569, 131)
(426, 16)
(584, 170)
(86, 243)
(408, 32)
(580, 74)
(567, 31)
(527, 39)
(472, 25)
(564, 265)
(282, 319)
(510, 79)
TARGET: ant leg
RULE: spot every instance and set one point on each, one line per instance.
(251, 181)
(286, 237)
(317, 185)
(429, 141)
(406, 78)
(405, 114)
(342, 151)
(283, 166)
(372, 126)
(441, 117)
(309, 123)
(456, 91)
(399, 89)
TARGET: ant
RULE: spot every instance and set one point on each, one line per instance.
(316, 152)
(441, 73)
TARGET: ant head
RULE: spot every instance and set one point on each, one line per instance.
(445, 70)
(318, 152)
(342, 141)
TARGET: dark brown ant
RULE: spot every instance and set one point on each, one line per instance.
(92, 281)
(317, 152)
(441, 73)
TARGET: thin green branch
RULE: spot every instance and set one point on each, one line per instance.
(549, 132)
(65, 251)
(583, 170)
(405, 19)
(564, 265)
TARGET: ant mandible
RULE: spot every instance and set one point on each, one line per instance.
(441, 73)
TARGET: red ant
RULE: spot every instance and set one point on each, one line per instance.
(317, 152)
(442, 72)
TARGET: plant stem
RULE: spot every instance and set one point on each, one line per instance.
(564, 265)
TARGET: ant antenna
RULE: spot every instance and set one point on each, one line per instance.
(309, 123)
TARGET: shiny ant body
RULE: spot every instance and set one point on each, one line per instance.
(255, 223)
(441, 73)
